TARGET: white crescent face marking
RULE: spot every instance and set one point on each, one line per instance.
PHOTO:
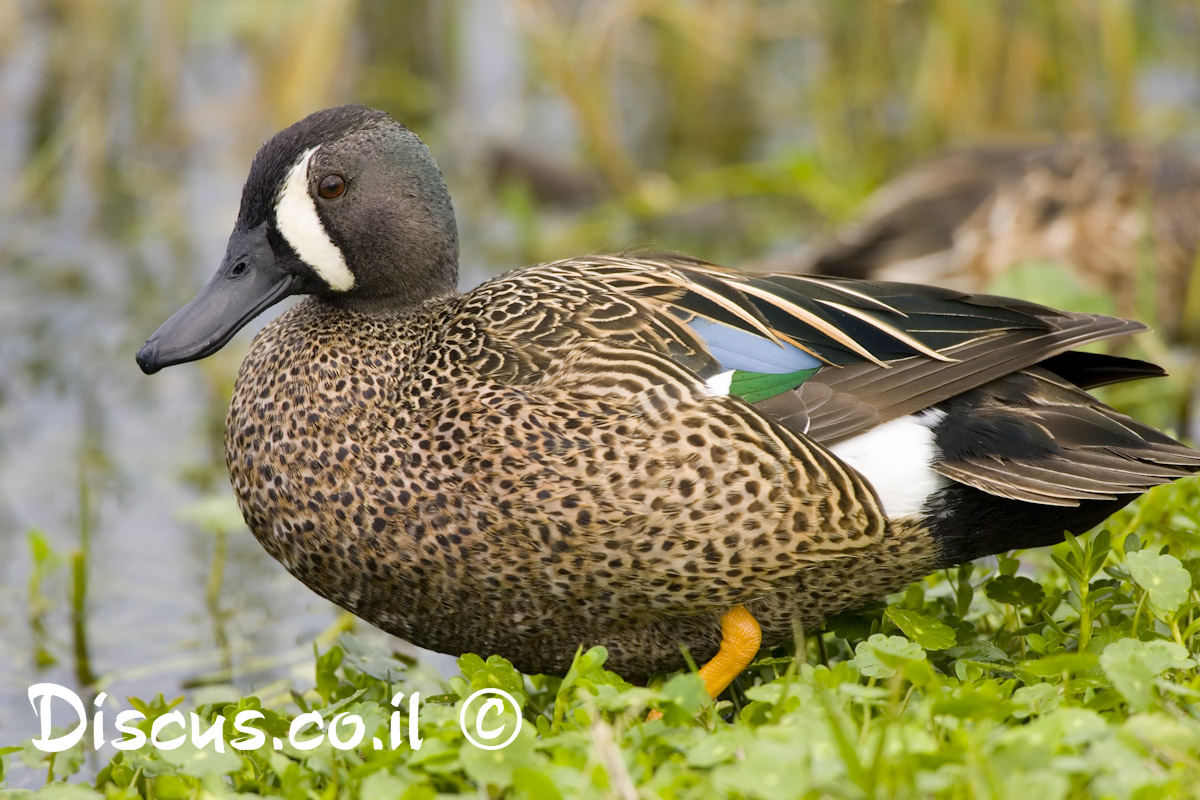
(298, 221)
(895, 459)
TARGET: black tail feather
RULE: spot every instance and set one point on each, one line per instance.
(971, 524)
(1089, 370)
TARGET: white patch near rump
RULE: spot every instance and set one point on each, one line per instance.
(298, 221)
(895, 459)
(718, 385)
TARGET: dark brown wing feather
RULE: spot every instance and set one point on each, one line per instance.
(912, 384)
(1003, 372)
(893, 349)
(1035, 437)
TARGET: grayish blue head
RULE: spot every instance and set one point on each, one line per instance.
(348, 205)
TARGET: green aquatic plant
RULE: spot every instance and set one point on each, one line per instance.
(1074, 676)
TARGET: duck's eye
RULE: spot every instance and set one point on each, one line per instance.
(331, 186)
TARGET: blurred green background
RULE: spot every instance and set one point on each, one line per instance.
(734, 131)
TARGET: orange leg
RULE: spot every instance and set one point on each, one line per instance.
(740, 639)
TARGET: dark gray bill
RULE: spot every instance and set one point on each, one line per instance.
(249, 281)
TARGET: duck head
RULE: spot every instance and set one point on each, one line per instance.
(347, 205)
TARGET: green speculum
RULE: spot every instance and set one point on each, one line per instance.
(754, 387)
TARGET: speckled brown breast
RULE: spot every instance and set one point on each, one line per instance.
(580, 489)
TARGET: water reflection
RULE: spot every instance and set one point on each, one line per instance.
(105, 236)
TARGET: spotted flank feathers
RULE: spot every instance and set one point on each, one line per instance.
(617, 450)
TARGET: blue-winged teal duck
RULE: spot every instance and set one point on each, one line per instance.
(632, 451)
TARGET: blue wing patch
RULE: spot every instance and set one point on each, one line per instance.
(741, 350)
